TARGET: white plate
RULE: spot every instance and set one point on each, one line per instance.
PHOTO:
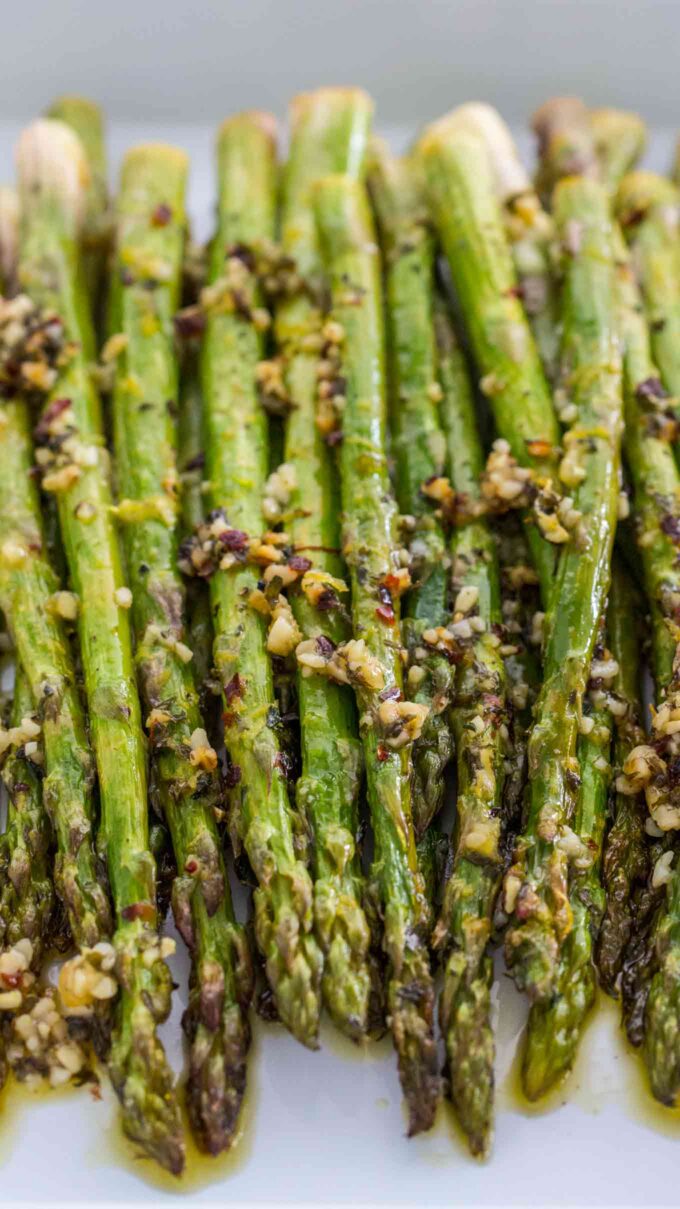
(328, 1127)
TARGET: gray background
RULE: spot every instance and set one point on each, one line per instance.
(174, 60)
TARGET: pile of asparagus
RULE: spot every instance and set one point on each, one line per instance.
(312, 536)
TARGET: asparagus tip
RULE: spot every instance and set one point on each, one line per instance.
(327, 96)
(258, 118)
(50, 159)
(217, 1069)
(411, 1003)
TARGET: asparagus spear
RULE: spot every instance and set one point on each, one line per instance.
(236, 453)
(536, 888)
(28, 589)
(529, 228)
(373, 658)
(556, 1024)
(53, 174)
(566, 142)
(463, 930)
(27, 900)
(150, 227)
(465, 209)
(649, 427)
(648, 208)
(329, 130)
(620, 140)
(627, 852)
(87, 122)
(418, 446)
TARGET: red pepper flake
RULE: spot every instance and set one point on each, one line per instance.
(50, 414)
(284, 763)
(233, 689)
(298, 563)
(385, 610)
(327, 601)
(392, 583)
(189, 322)
(386, 614)
(191, 866)
(393, 693)
(144, 911)
(161, 215)
(232, 776)
(382, 753)
(234, 539)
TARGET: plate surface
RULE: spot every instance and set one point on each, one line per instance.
(328, 1127)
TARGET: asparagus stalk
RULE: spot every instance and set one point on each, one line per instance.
(150, 228)
(192, 500)
(566, 142)
(648, 208)
(419, 449)
(87, 122)
(520, 602)
(369, 515)
(463, 931)
(536, 888)
(528, 227)
(649, 427)
(465, 208)
(236, 453)
(53, 172)
(627, 852)
(329, 130)
(556, 1024)
(27, 898)
(28, 589)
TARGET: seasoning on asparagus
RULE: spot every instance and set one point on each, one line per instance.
(236, 468)
(373, 658)
(463, 931)
(150, 225)
(419, 449)
(467, 217)
(53, 177)
(522, 628)
(26, 887)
